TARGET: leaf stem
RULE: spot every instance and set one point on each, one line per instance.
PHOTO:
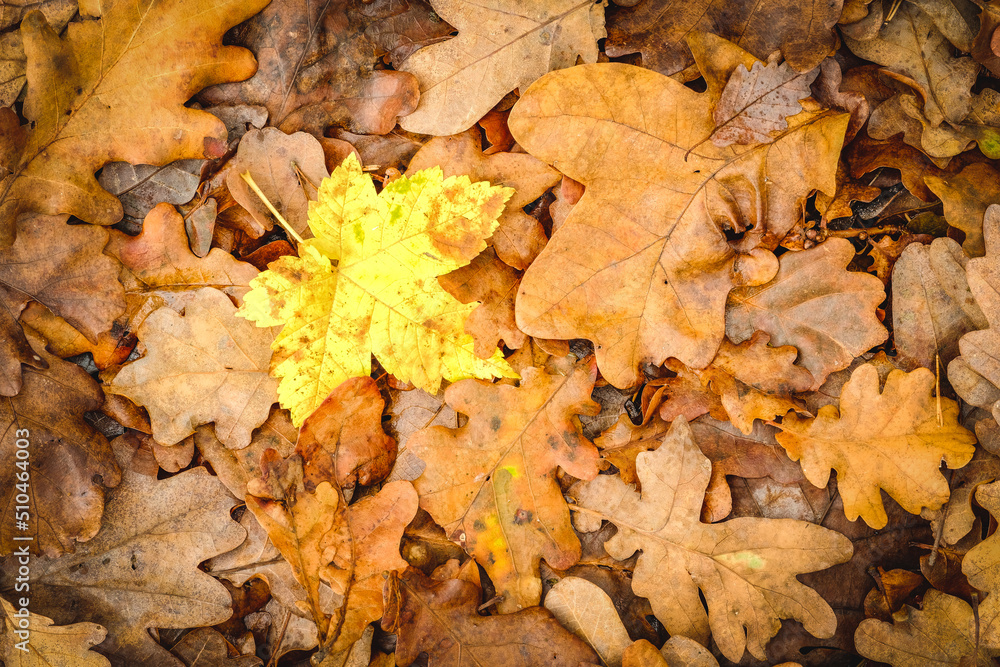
(267, 202)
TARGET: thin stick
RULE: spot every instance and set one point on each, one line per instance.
(281, 636)
(267, 202)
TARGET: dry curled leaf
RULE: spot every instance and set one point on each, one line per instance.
(815, 304)
(867, 440)
(204, 366)
(382, 297)
(745, 567)
(642, 267)
(492, 483)
(440, 617)
(92, 101)
(502, 45)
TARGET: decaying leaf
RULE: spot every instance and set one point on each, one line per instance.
(893, 440)
(642, 266)
(657, 29)
(587, 611)
(92, 101)
(62, 267)
(141, 570)
(204, 366)
(317, 68)
(70, 461)
(440, 617)
(940, 634)
(975, 375)
(932, 306)
(492, 483)
(745, 567)
(383, 296)
(43, 644)
(677, 652)
(502, 45)
(815, 304)
(966, 197)
(519, 237)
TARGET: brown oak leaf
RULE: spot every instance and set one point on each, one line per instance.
(205, 366)
(92, 101)
(873, 434)
(317, 68)
(803, 31)
(70, 461)
(62, 267)
(965, 197)
(47, 644)
(745, 567)
(975, 375)
(642, 266)
(492, 482)
(440, 617)
(815, 304)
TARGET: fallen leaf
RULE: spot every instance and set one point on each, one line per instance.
(587, 611)
(492, 482)
(141, 570)
(657, 29)
(204, 366)
(981, 565)
(91, 101)
(141, 187)
(12, 59)
(498, 48)
(344, 441)
(86, 293)
(932, 306)
(112, 348)
(941, 634)
(439, 618)
(756, 101)
(519, 238)
(70, 465)
(966, 197)
(205, 647)
(831, 90)
(746, 568)
(418, 228)
(974, 375)
(317, 68)
(642, 267)
(46, 644)
(815, 304)
(872, 432)
(410, 411)
(275, 160)
(677, 652)
(914, 50)
(494, 284)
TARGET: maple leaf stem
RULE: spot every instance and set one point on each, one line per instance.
(267, 202)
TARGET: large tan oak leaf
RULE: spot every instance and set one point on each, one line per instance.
(501, 45)
(114, 90)
(141, 571)
(207, 365)
(45, 644)
(642, 266)
(893, 440)
(745, 567)
(492, 483)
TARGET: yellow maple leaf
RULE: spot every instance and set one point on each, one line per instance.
(367, 283)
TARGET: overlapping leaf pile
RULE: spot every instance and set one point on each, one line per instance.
(525, 332)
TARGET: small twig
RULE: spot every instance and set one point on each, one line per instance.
(932, 558)
(267, 202)
(489, 603)
(862, 234)
(892, 12)
(303, 179)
